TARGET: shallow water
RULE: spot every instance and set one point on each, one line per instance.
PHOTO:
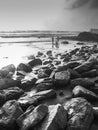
(16, 50)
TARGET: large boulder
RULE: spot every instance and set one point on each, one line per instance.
(55, 120)
(35, 62)
(8, 82)
(91, 73)
(44, 86)
(24, 67)
(85, 82)
(28, 81)
(36, 98)
(74, 74)
(32, 117)
(80, 114)
(62, 77)
(9, 112)
(6, 70)
(10, 94)
(71, 64)
(79, 91)
(83, 67)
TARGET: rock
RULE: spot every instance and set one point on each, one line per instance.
(10, 94)
(80, 114)
(7, 82)
(49, 53)
(74, 74)
(79, 91)
(9, 112)
(40, 53)
(28, 81)
(32, 117)
(91, 73)
(62, 77)
(47, 61)
(24, 67)
(5, 70)
(35, 62)
(85, 82)
(44, 86)
(35, 99)
(55, 120)
(42, 74)
(72, 64)
(84, 67)
(95, 109)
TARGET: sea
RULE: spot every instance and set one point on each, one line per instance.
(15, 50)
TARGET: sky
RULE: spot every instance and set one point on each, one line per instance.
(59, 15)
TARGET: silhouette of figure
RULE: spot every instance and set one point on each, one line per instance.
(52, 42)
(57, 42)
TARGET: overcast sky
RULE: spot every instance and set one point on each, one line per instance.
(48, 14)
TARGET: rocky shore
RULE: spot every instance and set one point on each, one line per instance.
(53, 91)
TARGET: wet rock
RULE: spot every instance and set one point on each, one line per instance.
(79, 91)
(10, 94)
(44, 86)
(39, 54)
(7, 82)
(5, 70)
(85, 82)
(91, 73)
(35, 62)
(28, 81)
(74, 74)
(55, 120)
(62, 77)
(35, 99)
(49, 53)
(80, 114)
(9, 112)
(42, 74)
(72, 64)
(95, 109)
(48, 61)
(24, 67)
(32, 117)
(84, 67)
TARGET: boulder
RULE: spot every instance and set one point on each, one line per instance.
(55, 120)
(8, 82)
(72, 64)
(36, 98)
(62, 77)
(35, 62)
(28, 81)
(24, 67)
(9, 113)
(47, 61)
(83, 67)
(6, 70)
(74, 74)
(79, 91)
(32, 117)
(85, 82)
(44, 86)
(91, 73)
(80, 114)
(10, 94)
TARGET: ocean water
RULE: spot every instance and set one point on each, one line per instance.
(16, 50)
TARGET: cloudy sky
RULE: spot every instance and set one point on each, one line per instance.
(48, 14)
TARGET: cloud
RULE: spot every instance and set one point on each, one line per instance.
(72, 4)
(94, 4)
